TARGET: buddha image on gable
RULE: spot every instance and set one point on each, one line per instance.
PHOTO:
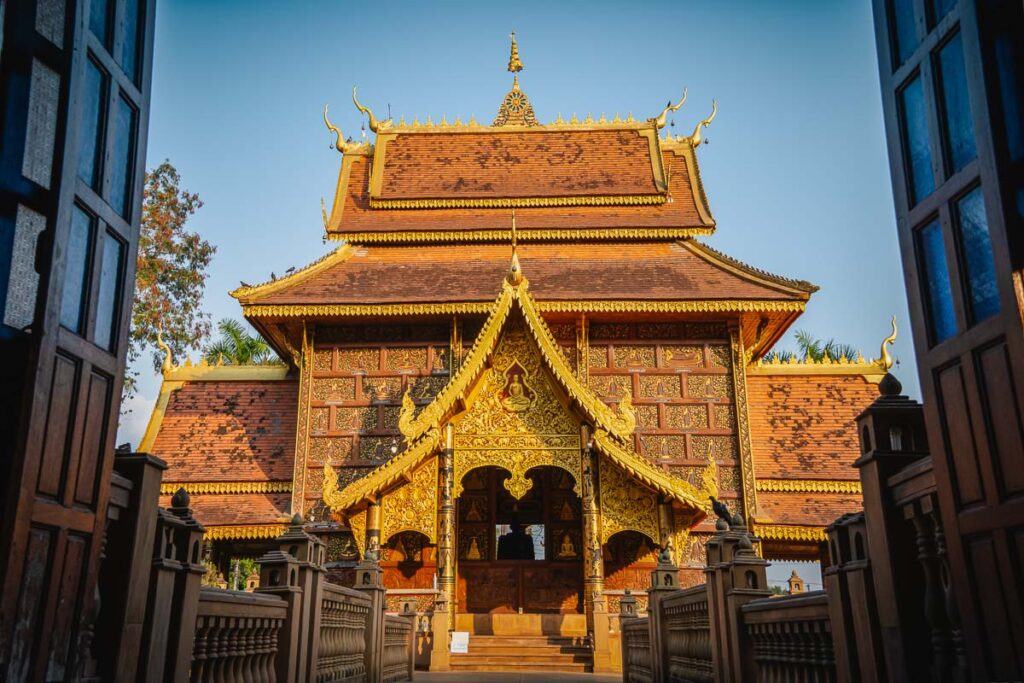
(516, 395)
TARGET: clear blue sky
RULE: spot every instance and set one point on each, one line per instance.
(796, 169)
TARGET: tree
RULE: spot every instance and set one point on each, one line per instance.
(811, 348)
(237, 347)
(170, 273)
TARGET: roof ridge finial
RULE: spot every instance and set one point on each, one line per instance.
(885, 359)
(515, 272)
(168, 363)
(695, 139)
(514, 63)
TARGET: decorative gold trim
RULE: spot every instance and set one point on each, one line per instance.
(156, 418)
(625, 504)
(739, 382)
(244, 533)
(227, 373)
(218, 487)
(471, 308)
(869, 370)
(797, 534)
(412, 506)
(527, 235)
(329, 260)
(749, 272)
(519, 202)
(809, 486)
(302, 419)
(647, 473)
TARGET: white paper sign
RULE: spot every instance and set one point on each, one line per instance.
(460, 642)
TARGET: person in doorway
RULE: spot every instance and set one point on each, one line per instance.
(515, 545)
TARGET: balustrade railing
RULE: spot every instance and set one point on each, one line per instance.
(637, 655)
(791, 638)
(686, 633)
(398, 649)
(342, 651)
(236, 637)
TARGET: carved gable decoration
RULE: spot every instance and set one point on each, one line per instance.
(515, 419)
(412, 506)
(625, 504)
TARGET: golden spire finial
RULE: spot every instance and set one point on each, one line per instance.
(695, 139)
(885, 360)
(661, 119)
(515, 272)
(514, 63)
(374, 123)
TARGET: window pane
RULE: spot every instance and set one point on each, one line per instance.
(99, 20)
(130, 46)
(1011, 95)
(76, 271)
(917, 149)
(959, 131)
(90, 135)
(938, 294)
(107, 303)
(977, 248)
(940, 8)
(905, 34)
(124, 153)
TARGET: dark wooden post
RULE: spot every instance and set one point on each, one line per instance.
(309, 551)
(188, 544)
(439, 658)
(736, 576)
(370, 582)
(664, 582)
(279, 575)
(892, 436)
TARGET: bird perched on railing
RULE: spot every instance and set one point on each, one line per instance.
(720, 509)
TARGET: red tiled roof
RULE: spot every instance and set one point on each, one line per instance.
(517, 164)
(802, 426)
(229, 431)
(232, 509)
(668, 271)
(680, 212)
(806, 509)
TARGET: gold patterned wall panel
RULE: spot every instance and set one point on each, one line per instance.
(646, 416)
(634, 356)
(683, 356)
(405, 358)
(322, 360)
(717, 447)
(725, 417)
(515, 419)
(686, 417)
(709, 386)
(382, 388)
(597, 357)
(718, 354)
(413, 506)
(625, 504)
(359, 359)
(358, 418)
(319, 419)
(659, 386)
(334, 389)
(334, 450)
(663, 446)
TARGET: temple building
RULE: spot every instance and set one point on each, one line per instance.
(521, 334)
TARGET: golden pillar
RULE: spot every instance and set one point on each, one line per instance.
(446, 522)
(373, 530)
(593, 562)
(666, 527)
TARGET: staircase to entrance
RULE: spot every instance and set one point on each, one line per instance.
(524, 643)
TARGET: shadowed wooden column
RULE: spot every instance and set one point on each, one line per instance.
(445, 544)
(593, 566)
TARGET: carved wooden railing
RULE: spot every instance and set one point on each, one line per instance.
(637, 655)
(398, 649)
(236, 636)
(343, 616)
(686, 636)
(791, 638)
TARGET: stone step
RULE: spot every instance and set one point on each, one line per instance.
(526, 641)
(514, 650)
(538, 658)
(522, 667)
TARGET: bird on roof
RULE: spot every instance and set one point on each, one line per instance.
(720, 509)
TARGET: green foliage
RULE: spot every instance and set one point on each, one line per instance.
(778, 590)
(811, 348)
(236, 346)
(212, 576)
(170, 272)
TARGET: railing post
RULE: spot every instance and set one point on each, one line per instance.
(627, 610)
(439, 657)
(604, 658)
(308, 550)
(370, 582)
(279, 575)
(664, 582)
(189, 544)
(165, 565)
(736, 575)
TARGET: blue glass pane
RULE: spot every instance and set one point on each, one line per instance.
(915, 138)
(76, 271)
(940, 8)
(905, 36)
(938, 294)
(1011, 95)
(90, 135)
(977, 248)
(99, 20)
(121, 161)
(959, 130)
(107, 299)
(130, 46)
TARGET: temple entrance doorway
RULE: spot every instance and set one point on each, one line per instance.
(519, 556)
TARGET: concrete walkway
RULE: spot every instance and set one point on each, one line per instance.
(513, 677)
